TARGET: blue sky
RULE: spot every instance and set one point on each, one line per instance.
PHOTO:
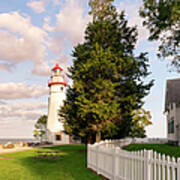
(36, 34)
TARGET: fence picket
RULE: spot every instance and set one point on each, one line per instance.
(155, 160)
(133, 164)
(149, 157)
(163, 166)
(168, 167)
(141, 161)
(145, 162)
(159, 166)
(173, 168)
(136, 167)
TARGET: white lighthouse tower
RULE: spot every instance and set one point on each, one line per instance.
(57, 95)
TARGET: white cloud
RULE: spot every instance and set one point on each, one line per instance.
(41, 68)
(72, 22)
(57, 44)
(21, 41)
(57, 2)
(21, 90)
(37, 6)
(41, 5)
(16, 23)
(27, 111)
(17, 120)
(11, 128)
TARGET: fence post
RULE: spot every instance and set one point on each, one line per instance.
(178, 168)
(97, 158)
(149, 157)
(115, 164)
(145, 162)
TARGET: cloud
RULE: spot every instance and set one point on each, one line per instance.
(21, 90)
(40, 6)
(57, 44)
(72, 22)
(57, 2)
(27, 111)
(37, 6)
(21, 41)
(68, 31)
(17, 120)
(11, 128)
(41, 68)
(46, 25)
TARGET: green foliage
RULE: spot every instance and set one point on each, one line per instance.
(162, 18)
(141, 119)
(107, 77)
(23, 165)
(100, 9)
(40, 128)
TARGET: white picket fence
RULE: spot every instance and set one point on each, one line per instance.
(117, 164)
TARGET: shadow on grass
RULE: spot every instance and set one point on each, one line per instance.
(70, 166)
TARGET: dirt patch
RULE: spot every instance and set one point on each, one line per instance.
(6, 158)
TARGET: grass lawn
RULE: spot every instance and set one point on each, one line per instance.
(22, 165)
(161, 148)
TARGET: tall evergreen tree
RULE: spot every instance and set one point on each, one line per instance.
(107, 77)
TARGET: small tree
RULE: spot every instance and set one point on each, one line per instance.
(40, 128)
(141, 119)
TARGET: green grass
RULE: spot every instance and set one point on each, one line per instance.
(22, 165)
(160, 148)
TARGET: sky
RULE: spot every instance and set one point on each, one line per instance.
(37, 34)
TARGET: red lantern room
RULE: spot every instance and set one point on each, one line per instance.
(56, 77)
(56, 68)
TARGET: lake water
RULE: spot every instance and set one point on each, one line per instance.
(4, 141)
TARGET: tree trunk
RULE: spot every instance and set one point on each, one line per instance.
(98, 136)
(89, 139)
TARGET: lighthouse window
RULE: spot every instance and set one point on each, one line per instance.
(62, 88)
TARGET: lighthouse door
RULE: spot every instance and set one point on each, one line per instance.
(59, 137)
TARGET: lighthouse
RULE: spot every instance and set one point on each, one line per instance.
(57, 89)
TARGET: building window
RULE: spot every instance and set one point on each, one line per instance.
(171, 106)
(58, 137)
(171, 126)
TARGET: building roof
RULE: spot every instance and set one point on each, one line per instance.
(57, 67)
(172, 92)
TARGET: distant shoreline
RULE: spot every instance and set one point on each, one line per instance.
(15, 140)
